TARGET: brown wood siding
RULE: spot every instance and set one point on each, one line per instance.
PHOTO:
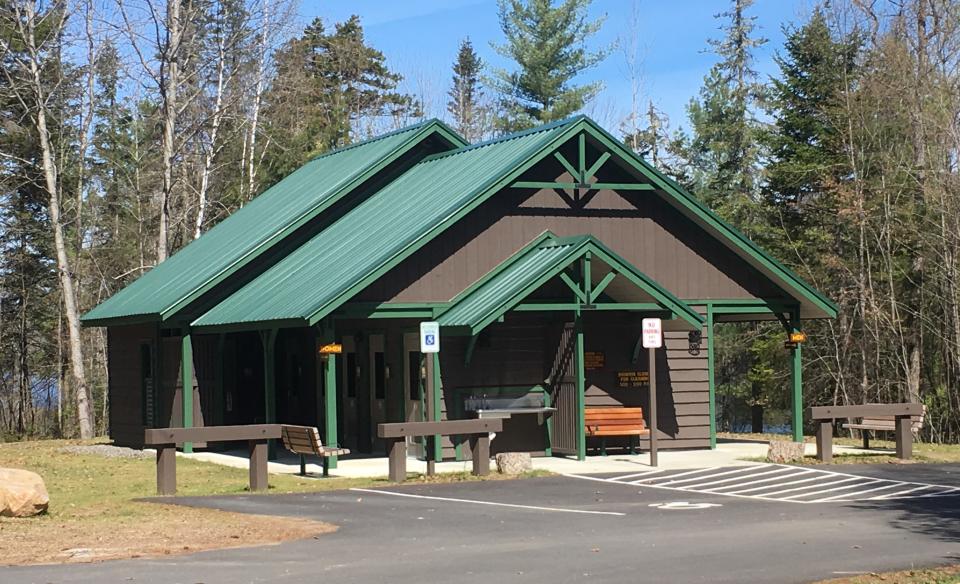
(519, 353)
(640, 226)
(510, 356)
(683, 398)
(124, 382)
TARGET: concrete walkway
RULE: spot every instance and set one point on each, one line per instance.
(732, 453)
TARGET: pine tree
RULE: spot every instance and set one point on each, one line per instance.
(466, 96)
(724, 145)
(548, 45)
(330, 89)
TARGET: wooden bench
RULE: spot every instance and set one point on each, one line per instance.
(883, 424)
(479, 431)
(901, 414)
(166, 439)
(618, 421)
(304, 440)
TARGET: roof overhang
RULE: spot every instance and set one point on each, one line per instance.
(510, 284)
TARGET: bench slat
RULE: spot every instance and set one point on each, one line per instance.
(620, 432)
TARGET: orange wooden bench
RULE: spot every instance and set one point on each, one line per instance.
(615, 421)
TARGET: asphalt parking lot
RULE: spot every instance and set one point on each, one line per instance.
(597, 529)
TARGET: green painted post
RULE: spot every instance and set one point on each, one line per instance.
(711, 378)
(581, 390)
(220, 407)
(330, 400)
(269, 340)
(437, 388)
(796, 374)
(186, 391)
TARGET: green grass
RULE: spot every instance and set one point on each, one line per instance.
(96, 500)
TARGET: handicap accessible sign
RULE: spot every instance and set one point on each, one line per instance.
(429, 337)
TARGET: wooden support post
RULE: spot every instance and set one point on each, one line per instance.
(825, 440)
(904, 437)
(397, 455)
(653, 405)
(186, 378)
(258, 465)
(865, 435)
(480, 446)
(166, 469)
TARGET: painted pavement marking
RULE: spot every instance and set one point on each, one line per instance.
(785, 483)
(491, 503)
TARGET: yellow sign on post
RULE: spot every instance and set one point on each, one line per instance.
(798, 337)
(331, 349)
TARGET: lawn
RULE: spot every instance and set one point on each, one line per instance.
(94, 513)
(880, 450)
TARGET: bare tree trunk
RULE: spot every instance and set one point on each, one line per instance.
(257, 99)
(168, 89)
(27, 22)
(213, 147)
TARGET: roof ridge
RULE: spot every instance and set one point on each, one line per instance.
(507, 138)
(391, 133)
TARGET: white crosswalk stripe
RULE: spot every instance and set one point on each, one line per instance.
(778, 482)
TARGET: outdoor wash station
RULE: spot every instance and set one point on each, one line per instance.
(538, 255)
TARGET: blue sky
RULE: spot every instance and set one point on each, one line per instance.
(420, 40)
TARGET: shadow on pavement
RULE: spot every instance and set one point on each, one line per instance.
(937, 517)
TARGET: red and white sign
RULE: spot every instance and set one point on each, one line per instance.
(652, 333)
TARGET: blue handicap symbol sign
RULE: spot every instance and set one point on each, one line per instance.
(430, 339)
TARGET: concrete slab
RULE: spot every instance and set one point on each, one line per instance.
(726, 454)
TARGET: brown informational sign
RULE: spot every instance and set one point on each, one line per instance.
(633, 378)
(593, 360)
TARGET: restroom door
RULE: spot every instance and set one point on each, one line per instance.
(413, 389)
(350, 378)
(378, 388)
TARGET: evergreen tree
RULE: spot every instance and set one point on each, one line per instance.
(725, 164)
(330, 88)
(805, 149)
(548, 45)
(724, 151)
(466, 96)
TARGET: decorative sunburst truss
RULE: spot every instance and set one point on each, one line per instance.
(584, 186)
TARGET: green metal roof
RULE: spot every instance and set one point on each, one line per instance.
(260, 224)
(530, 268)
(392, 224)
(381, 231)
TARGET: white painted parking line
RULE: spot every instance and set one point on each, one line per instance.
(738, 470)
(783, 483)
(778, 479)
(637, 474)
(737, 479)
(858, 494)
(683, 474)
(833, 490)
(797, 482)
(805, 487)
(492, 503)
(900, 493)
